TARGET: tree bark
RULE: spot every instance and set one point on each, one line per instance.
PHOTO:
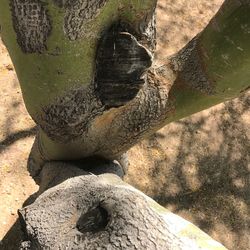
(86, 75)
(87, 211)
(85, 69)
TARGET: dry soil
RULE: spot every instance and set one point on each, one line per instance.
(197, 167)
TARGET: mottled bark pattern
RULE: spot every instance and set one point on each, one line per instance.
(107, 132)
(190, 68)
(70, 116)
(121, 62)
(78, 13)
(128, 221)
(32, 25)
(140, 117)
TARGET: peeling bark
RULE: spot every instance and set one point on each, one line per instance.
(121, 63)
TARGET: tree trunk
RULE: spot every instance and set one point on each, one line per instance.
(102, 212)
(85, 69)
(86, 78)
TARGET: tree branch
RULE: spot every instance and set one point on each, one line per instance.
(83, 110)
(210, 69)
(101, 211)
(213, 67)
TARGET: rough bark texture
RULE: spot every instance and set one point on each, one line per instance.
(124, 54)
(101, 212)
(190, 68)
(121, 62)
(32, 25)
(69, 117)
(90, 89)
(87, 119)
(122, 100)
(118, 129)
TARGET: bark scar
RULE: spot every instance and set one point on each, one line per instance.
(121, 62)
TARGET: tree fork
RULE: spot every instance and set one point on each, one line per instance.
(68, 49)
(85, 69)
(91, 88)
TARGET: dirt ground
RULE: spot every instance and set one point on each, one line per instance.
(197, 167)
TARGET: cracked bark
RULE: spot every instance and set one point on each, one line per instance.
(90, 86)
(76, 210)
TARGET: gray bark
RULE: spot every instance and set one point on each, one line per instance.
(80, 210)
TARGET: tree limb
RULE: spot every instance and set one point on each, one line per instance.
(90, 211)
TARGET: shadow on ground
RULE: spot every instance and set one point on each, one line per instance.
(199, 168)
(13, 137)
